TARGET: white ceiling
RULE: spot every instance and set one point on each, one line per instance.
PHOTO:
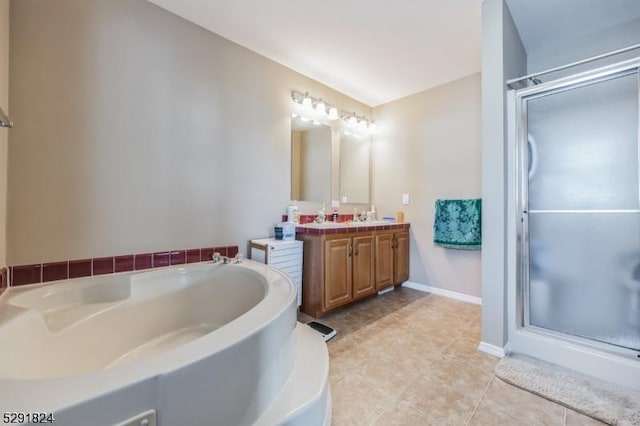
(374, 51)
(377, 51)
(541, 22)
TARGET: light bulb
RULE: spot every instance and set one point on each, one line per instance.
(333, 113)
(372, 127)
(306, 101)
(352, 120)
(321, 108)
(362, 124)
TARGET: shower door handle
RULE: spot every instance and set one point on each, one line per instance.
(533, 152)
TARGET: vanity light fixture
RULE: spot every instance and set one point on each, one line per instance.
(321, 107)
(5, 121)
(333, 113)
(317, 108)
(306, 101)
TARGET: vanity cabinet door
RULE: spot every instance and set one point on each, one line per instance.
(401, 257)
(363, 271)
(384, 260)
(337, 273)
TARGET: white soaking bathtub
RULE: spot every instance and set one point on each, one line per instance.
(201, 344)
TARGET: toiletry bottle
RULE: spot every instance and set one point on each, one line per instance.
(335, 215)
(373, 212)
(321, 215)
(292, 213)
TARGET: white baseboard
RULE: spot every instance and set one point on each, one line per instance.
(386, 290)
(441, 292)
(492, 349)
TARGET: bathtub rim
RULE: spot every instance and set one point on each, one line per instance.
(61, 393)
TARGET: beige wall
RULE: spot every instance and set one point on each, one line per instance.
(429, 146)
(4, 132)
(139, 131)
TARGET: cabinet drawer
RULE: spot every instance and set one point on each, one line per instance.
(286, 263)
(283, 251)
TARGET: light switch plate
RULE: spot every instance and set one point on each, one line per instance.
(344, 198)
(405, 199)
(335, 204)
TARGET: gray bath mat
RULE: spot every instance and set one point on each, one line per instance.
(587, 395)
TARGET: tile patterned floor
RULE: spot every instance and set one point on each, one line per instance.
(411, 358)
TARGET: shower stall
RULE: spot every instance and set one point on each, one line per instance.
(574, 222)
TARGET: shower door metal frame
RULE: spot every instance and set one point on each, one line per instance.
(519, 159)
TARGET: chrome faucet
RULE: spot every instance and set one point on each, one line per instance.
(218, 258)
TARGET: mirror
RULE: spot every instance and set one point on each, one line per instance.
(310, 161)
(354, 168)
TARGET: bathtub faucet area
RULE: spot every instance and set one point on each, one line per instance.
(218, 258)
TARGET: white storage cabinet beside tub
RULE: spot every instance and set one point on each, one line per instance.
(283, 255)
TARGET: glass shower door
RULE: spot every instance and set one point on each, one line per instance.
(583, 211)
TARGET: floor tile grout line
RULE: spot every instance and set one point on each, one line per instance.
(412, 313)
(352, 369)
(484, 393)
(393, 401)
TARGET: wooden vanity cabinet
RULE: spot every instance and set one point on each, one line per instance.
(384, 263)
(348, 270)
(340, 268)
(338, 283)
(363, 266)
(392, 258)
(401, 257)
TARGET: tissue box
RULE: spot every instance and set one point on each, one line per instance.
(285, 231)
(288, 231)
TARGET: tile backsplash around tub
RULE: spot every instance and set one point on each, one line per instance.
(53, 271)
